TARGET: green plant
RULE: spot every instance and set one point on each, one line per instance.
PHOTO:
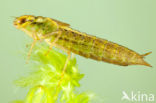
(45, 76)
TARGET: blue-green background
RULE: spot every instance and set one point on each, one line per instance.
(131, 23)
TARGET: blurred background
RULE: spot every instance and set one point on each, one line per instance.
(131, 23)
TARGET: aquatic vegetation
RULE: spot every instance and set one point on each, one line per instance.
(44, 78)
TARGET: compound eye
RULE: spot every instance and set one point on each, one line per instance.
(23, 20)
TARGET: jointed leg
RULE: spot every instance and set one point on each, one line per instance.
(35, 37)
(30, 50)
(50, 34)
(52, 44)
(64, 68)
(62, 75)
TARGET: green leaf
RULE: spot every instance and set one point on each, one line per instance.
(45, 76)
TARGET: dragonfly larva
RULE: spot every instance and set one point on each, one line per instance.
(59, 34)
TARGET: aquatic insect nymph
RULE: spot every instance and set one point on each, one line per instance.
(59, 34)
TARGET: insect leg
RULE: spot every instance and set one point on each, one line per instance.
(32, 45)
(52, 44)
(64, 68)
(50, 34)
(62, 74)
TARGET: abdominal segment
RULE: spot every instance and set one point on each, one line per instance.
(99, 49)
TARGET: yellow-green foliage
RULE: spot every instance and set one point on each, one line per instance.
(44, 78)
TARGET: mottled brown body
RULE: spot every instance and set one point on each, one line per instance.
(88, 46)
(98, 49)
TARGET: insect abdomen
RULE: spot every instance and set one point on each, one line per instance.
(99, 49)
